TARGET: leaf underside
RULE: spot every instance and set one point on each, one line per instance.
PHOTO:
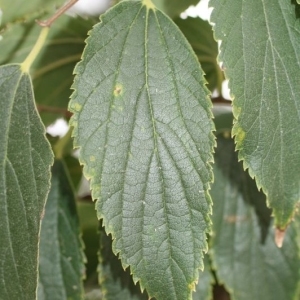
(143, 123)
(25, 160)
(261, 57)
(243, 251)
(61, 265)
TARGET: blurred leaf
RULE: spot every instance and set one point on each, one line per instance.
(17, 10)
(74, 169)
(93, 295)
(243, 251)
(200, 35)
(142, 118)
(89, 228)
(223, 118)
(115, 283)
(205, 283)
(55, 62)
(25, 160)
(260, 53)
(61, 266)
(297, 7)
(173, 8)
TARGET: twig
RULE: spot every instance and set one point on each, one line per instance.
(58, 13)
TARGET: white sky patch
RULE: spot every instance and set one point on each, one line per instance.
(200, 10)
(226, 90)
(59, 128)
(89, 7)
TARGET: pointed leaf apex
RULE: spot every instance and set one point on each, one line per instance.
(279, 237)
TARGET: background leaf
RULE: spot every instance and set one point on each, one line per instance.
(61, 267)
(205, 284)
(55, 63)
(115, 283)
(173, 8)
(25, 160)
(19, 10)
(260, 51)
(243, 251)
(142, 120)
(200, 35)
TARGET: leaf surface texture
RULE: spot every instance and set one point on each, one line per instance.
(260, 54)
(142, 121)
(242, 246)
(25, 160)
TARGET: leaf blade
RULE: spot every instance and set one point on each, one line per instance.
(26, 158)
(61, 266)
(137, 139)
(263, 80)
(243, 251)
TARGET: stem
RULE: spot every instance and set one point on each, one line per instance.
(25, 66)
(58, 13)
(54, 110)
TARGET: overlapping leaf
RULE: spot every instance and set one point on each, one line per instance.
(25, 159)
(244, 254)
(143, 123)
(61, 266)
(260, 51)
(55, 63)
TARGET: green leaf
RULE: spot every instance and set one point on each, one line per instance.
(143, 122)
(206, 280)
(25, 160)
(20, 10)
(55, 63)
(200, 35)
(243, 251)
(61, 265)
(115, 283)
(173, 8)
(74, 170)
(260, 51)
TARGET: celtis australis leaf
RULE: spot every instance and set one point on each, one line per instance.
(261, 57)
(143, 123)
(25, 160)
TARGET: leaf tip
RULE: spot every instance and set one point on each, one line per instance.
(279, 237)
